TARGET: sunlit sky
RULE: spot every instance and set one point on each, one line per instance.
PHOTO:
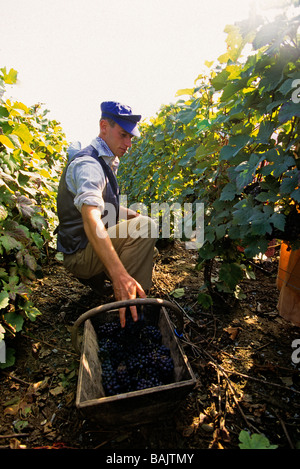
(73, 54)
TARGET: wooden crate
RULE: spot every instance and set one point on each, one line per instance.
(136, 407)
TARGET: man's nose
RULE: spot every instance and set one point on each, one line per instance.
(128, 141)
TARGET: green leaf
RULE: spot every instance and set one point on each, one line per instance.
(278, 220)
(13, 287)
(205, 300)
(220, 80)
(256, 246)
(255, 441)
(231, 274)
(15, 320)
(229, 192)
(207, 251)
(4, 299)
(296, 195)
(186, 116)
(242, 211)
(20, 425)
(9, 243)
(3, 274)
(288, 111)
(227, 152)
(38, 240)
(31, 311)
(233, 87)
(3, 112)
(266, 129)
(286, 86)
(235, 144)
(221, 230)
(265, 35)
(290, 181)
(247, 170)
(261, 227)
(38, 222)
(10, 358)
(177, 293)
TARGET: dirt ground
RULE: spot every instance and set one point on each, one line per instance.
(240, 352)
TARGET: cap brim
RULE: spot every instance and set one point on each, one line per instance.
(128, 126)
(128, 123)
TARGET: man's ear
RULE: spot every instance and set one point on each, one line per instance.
(103, 126)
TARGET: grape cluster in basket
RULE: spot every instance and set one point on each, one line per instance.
(133, 358)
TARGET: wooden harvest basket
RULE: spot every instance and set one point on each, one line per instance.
(136, 407)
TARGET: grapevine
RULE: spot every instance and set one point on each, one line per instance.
(231, 142)
(32, 154)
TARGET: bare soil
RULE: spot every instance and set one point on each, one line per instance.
(240, 352)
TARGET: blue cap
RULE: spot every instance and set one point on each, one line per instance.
(122, 115)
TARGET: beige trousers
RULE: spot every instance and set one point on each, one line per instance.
(134, 242)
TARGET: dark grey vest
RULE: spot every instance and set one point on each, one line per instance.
(70, 232)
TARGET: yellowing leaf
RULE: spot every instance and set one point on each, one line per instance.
(26, 148)
(189, 91)
(224, 58)
(19, 105)
(14, 113)
(208, 63)
(44, 173)
(6, 141)
(11, 77)
(234, 71)
(50, 149)
(23, 132)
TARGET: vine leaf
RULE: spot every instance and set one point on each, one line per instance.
(229, 192)
(288, 111)
(255, 441)
(231, 274)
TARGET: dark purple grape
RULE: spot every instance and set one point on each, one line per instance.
(133, 358)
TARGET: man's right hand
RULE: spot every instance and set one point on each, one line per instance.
(127, 288)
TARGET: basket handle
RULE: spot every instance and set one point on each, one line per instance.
(120, 304)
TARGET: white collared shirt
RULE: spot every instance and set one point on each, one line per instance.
(85, 177)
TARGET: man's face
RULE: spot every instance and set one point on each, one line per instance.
(116, 138)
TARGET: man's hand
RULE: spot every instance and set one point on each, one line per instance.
(127, 288)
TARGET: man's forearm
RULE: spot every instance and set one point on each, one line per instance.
(125, 286)
(101, 242)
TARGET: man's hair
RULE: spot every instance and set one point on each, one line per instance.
(110, 121)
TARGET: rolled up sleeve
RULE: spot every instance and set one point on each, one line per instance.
(86, 180)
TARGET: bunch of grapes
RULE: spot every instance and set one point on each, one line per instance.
(253, 189)
(291, 230)
(133, 358)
